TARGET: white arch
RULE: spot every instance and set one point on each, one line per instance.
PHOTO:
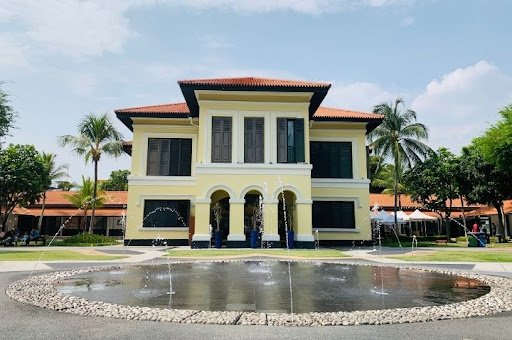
(258, 188)
(217, 187)
(298, 196)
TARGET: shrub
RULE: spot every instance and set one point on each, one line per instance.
(462, 239)
(88, 239)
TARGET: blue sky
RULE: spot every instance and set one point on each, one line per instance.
(450, 60)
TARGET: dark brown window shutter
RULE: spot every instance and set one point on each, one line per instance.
(254, 140)
(299, 140)
(153, 157)
(282, 140)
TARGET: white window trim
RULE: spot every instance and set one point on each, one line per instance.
(162, 180)
(341, 183)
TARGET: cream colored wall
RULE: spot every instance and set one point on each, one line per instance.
(355, 190)
(237, 178)
(157, 187)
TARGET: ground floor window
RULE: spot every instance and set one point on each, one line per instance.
(334, 214)
(166, 213)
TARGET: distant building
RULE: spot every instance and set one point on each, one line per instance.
(60, 212)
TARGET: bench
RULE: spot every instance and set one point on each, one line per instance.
(445, 242)
(41, 239)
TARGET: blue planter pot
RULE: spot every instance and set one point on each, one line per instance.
(218, 239)
(290, 239)
(254, 239)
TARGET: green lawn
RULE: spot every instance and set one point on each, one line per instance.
(457, 256)
(52, 255)
(299, 253)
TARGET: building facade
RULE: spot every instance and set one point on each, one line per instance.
(246, 153)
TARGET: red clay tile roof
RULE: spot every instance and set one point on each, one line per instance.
(387, 201)
(507, 209)
(69, 211)
(328, 112)
(58, 197)
(163, 108)
(253, 81)
(322, 112)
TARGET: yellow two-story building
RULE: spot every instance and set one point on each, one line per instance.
(244, 154)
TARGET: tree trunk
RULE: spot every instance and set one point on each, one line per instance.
(501, 226)
(464, 217)
(94, 192)
(395, 191)
(40, 222)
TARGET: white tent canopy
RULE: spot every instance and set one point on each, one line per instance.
(385, 218)
(401, 216)
(417, 215)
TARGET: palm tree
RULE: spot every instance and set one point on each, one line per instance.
(385, 179)
(96, 136)
(83, 198)
(52, 173)
(398, 137)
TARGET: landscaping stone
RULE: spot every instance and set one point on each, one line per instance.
(41, 291)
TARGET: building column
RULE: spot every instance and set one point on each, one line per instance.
(236, 237)
(304, 233)
(202, 235)
(270, 232)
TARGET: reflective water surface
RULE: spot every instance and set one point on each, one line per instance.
(261, 286)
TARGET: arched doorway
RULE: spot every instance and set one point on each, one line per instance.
(253, 216)
(286, 214)
(219, 213)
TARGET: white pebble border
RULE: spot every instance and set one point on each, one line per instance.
(41, 291)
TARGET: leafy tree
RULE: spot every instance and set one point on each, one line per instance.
(7, 115)
(484, 183)
(118, 181)
(53, 172)
(399, 137)
(65, 185)
(432, 183)
(84, 198)
(22, 178)
(385, 181)
(96, 136)
(495, 144)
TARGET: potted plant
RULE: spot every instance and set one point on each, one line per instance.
(217, 215)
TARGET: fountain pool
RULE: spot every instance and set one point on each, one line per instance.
(262, 286)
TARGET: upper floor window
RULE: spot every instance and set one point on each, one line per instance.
(331, 159)
(254, 140)
(221, 139)
(290, 140)
(169, 156)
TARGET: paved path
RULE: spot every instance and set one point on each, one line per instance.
(20, 321)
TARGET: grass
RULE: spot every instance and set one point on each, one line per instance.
(457, 256)
(298, 253)
(52, 255)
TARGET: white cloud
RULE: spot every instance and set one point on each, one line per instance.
(89, 28)
(359, 96)
(312, 7)
(12, 52)
(461, 105)
(73, 28)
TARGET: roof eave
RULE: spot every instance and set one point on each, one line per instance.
(188, 91)
(372, 123)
